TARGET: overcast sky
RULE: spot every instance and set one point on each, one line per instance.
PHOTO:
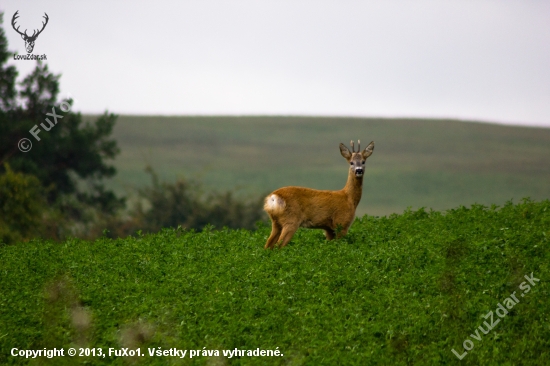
(482, 60)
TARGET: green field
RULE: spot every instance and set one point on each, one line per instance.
(398, 290)
(416, 163)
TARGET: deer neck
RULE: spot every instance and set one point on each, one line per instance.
(353, 188)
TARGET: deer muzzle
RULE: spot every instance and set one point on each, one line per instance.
(29, 46)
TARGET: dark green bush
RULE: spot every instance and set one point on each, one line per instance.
(185, 204)
(22, 206)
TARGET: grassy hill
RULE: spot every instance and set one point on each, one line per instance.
(416, 163)
(398, 290)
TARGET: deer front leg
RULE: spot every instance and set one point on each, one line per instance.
(330, 234)
(342, 223)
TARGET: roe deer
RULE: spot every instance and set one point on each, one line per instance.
(333, 211)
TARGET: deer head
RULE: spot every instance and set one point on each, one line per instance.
(29, 40)
(357, 159)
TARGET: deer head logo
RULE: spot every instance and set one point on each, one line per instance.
(29, 40)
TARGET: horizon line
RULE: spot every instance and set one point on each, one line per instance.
(342, 116)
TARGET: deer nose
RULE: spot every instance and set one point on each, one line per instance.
(359, 171)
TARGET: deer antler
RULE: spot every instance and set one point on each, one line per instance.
(352, 147)
(358, 145)
(15, 16)
(34, 34)
(43, 26)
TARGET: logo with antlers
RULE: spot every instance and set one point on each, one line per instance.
(29, 40)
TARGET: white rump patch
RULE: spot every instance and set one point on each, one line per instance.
(274, 204)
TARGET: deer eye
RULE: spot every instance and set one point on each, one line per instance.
(351, 163)
(363, 162)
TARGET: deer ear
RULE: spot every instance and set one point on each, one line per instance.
(345, 151)
(368, 150)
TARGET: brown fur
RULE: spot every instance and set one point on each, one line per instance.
(333, 211)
